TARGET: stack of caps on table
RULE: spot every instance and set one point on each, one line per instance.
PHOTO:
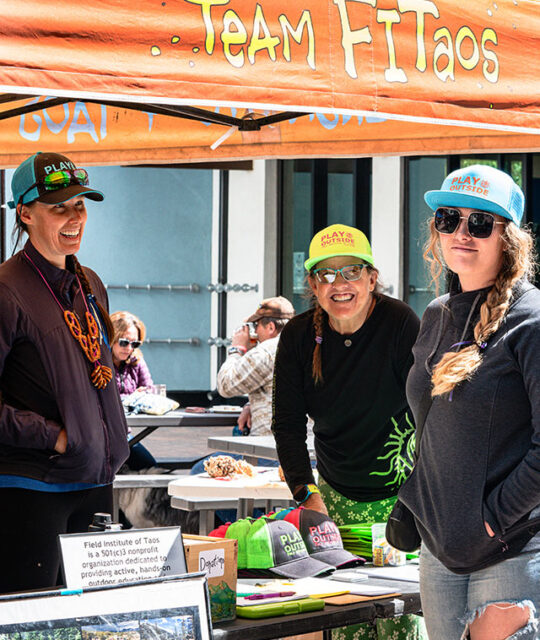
(295, 543)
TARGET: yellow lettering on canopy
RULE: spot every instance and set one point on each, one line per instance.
(442, 49)
(236, 36)
(257, 43)
(489, 35)
(306, 23)
(349, 37)
(420, 7)
(390, 17)
(470, 62)
(206, 7)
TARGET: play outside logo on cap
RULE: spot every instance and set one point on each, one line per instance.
(278, 545)
(32, 172)
(480, 187)
(338, 240)
(322, 538)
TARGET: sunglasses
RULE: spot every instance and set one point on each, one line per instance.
(60, 180)
(479, 223)
(134, 344)
(351, 272)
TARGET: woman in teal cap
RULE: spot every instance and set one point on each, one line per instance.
(475, 489)
(63, 433)
(344, 363)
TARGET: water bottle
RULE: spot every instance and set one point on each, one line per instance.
(103, 522)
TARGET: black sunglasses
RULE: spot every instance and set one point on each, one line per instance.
(134, 344)
(479, 223)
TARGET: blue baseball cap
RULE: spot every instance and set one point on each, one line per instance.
(27, 182)
(480, 187)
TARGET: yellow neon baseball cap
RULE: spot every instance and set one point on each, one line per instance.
(338, 240)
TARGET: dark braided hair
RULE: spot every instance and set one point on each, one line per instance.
(88, 291)
(318, 321)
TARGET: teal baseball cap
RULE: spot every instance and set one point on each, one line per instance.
(480, 187)
(51, 178)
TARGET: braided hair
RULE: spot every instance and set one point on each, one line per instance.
(88, 291)
(318, 321)
(518, 262)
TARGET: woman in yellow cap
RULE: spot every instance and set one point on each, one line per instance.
(345, 363)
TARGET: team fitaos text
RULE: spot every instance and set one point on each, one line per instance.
(464, 49)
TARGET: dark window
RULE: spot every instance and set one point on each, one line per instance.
(315, 194)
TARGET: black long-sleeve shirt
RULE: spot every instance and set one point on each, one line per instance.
(362, 425)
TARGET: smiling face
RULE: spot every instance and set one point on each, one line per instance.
(476, 261)
(347, 303)
(121, 354)
(55, 230)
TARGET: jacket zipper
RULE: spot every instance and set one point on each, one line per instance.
(107, 443)
(521, 527)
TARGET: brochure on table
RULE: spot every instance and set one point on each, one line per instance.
(172, 607)
(312, 587)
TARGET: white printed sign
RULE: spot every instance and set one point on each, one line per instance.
(212, 562)
(115, 557)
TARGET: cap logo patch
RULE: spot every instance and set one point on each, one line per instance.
(337, 237)
(63, 165)
(470, 184)
(292, 542)
(325, 534)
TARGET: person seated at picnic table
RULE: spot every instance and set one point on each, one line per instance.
(63, 433)
(130, 369)
(345, 362)
(131, 373)
(249, 368)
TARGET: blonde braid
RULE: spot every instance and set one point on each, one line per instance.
(316, 368)
(518, 262)
(88, 291)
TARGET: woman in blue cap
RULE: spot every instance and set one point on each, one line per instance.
(62, 427)
(475, 489)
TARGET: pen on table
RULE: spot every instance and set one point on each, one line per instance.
(264, 596)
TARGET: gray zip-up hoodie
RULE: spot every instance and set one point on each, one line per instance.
(479, 455)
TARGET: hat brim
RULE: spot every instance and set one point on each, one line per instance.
(302, 568)
(339, 558)
(63, 195)
(270, 316)
(436, 199)
(311, 262)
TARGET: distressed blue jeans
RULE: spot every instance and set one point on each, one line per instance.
(450, 602)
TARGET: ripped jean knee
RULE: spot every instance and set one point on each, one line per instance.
(451, 602)
(487, 620)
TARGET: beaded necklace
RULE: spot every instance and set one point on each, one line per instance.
(89, 343)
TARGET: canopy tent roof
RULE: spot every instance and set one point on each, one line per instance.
(375, 77)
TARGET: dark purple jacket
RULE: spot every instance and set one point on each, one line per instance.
(44, 381)
(132, 375)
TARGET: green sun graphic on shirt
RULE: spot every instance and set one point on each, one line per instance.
(400, 455)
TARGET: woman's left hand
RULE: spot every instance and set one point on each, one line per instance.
(490, 531)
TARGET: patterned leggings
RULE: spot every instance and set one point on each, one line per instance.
(345, 511)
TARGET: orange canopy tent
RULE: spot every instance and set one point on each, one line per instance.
(187, 80)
